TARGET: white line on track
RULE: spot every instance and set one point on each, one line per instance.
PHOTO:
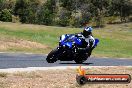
(28, 69)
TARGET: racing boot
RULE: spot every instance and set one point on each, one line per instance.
(90, 51)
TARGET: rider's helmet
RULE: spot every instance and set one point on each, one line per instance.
(87, 31)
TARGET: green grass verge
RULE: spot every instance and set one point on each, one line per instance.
(115, 40)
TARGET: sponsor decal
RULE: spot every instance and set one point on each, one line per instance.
(83, 78)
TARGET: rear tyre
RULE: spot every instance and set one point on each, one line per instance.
(79, 61)
(51, 58)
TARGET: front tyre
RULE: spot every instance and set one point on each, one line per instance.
(51, 58)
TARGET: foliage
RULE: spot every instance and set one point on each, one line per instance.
(5, 15)
(111, 19)
(122, 8)
(27, 10)
(76, 22)
(68, 4)
(64, 17)
(46, 13)
(68, 12)
(7, 4)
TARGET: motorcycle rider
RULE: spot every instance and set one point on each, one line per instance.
(88, 39)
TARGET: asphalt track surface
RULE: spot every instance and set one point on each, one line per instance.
(19, 60)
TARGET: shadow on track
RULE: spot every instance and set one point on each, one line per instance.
(76, 63)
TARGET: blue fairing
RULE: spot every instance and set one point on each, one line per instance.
(96, 42)
(63, 37)
(78, 41)
(69, 44)
(68, 40)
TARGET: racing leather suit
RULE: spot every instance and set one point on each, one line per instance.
(88, 42)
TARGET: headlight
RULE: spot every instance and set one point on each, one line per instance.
(64, 45)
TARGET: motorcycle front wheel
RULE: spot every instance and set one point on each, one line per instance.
(51, 58)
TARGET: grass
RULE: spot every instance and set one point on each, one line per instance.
(33, 74)
(45, 35)
(115, 40)
(3, 74)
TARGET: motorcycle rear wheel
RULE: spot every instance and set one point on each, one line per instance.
(79, 61)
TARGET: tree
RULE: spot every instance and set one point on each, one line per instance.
(67, 13)
(7, 4)
(5, 15)
(47, 12)
(64, 17)
(122, 8)
(1, 4)
(33, 9)
(27, 10)
(21, 10)
(68, 4)
(86, 11)
(99, 9)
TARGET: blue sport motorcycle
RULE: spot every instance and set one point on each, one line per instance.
(69, 50)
